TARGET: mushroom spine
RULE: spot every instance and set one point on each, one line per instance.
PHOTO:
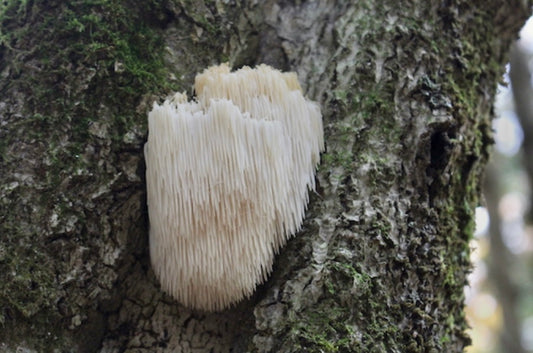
(228, 176)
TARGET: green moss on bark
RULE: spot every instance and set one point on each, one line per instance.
(83, 68)
(78, 78)
(408, 133)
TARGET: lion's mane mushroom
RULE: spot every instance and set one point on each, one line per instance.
(227, 180)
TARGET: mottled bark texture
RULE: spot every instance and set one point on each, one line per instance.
(406, 90)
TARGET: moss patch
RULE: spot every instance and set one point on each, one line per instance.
(84, 68)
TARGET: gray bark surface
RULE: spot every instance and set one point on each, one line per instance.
(406, 91)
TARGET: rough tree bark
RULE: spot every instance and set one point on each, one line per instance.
(406, 90)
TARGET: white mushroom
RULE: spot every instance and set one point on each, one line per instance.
(227, 181)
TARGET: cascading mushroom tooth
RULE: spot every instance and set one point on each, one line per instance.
(228, 176)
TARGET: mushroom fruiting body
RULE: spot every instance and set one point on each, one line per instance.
(227, 179)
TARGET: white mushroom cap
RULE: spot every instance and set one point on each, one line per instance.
(227, 181)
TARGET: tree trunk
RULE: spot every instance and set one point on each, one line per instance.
(406, 91)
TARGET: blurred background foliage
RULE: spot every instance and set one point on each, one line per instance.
(500, 295)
